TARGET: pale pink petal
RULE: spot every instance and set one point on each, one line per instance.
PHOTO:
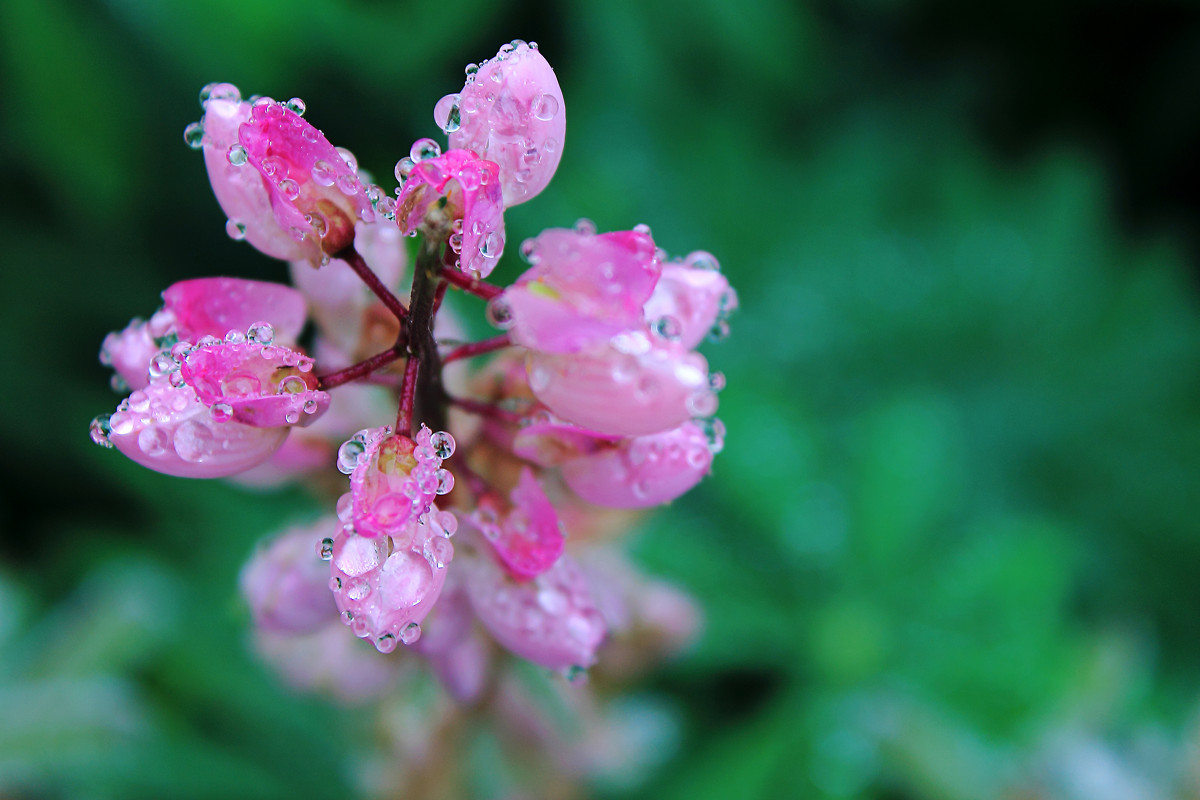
(548, 442)
(316, 196)
(129, 353)
(472, 187)
(393, 479)
(385, 586)
(286, 584)
(630, 387)
(550, 620)
(511, 112)
(328, 661)
(642, 471)
(167, 429)
(581, 289)
(689, 300)
(239, 188)
(527, 536)
(452, 644)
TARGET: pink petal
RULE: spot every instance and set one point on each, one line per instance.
(314, 193)
(582, 289)
(473, 188)
(549, 442)
(215, 306)
(167, 429)
(129, 353)
(329, 661)
(265, 386)
(631, 388)
(393, 479)
(511, 112)
(690, 300)
(528, 538)
(286, 584)
(550, 620)
(384, 588)
(643, 471)
(240, 190)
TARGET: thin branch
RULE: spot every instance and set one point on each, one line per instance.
(460, 280)
(471, 349)
(362, 369)
(408, 396)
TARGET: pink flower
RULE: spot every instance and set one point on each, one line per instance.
(475, 208)
(393, 479)
(551, 620)
(527, 536)
(328, 660)
(300, 197)
(690, 299)
(202, 307)
(386, 585)
(635, 472)
(216, 408)
(286, 584)
(511, 112)
(582, 288)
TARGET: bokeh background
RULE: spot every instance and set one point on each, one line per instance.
(951, 549)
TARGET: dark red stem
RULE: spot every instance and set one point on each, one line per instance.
(471, 349)
(460, 280)
(362, 369)
(408, 396)
(486, 409)
(368, 276)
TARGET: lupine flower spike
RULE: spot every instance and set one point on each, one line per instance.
(476, 521)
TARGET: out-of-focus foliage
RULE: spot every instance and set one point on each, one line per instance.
(950, 549)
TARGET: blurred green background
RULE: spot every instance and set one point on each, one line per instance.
(951, 549)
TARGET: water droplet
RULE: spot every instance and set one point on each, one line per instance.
(446, 113)
(118, 384)
(642, 228)
(289, 188)
(153, 441)
(292, 417)
(162, 364)
(222, 412)
(445, 481)
(714, 432)
(585, 227)
(100, 429)
(296, 106)
(702, 260)
(576, 675)
(319, 225)
(719, 331)
(499, 313)
(348, 455)
(470, 71)
(310, 406)
(324, 173)
(529, 249)
(702, 403)
(667, 328)
(546, 107)
(716, 381)
(438, 551)
(442, 444)
(237, 155)
(386, 643)
(219, 91)
(423, 149)
(325, 549)
(404, 168)
(235, 337)
(348, 184)
(193, 135)
(235, 230)
(411, 632)
(260, 333)
(491, 245)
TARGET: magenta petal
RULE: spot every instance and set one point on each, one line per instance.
(215, 306)
(511, 112)
(693, 298)
(240, 190)
(315, 195)
(393, 480)
(632, 388)
(528, 538)
(265, 386)
(286, 584)
(551, 620)
(167, 429)
(473, 187)
(643, 471)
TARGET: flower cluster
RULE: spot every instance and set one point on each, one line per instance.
(591, 397)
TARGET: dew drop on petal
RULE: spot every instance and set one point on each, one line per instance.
(193, 135)
(386, 643)
(423, 149)
(325, 549)
(296, 106)
(100, 430)
(260, 333)
(289, 188)
(445, 481)
(237, 155)
(348, 455)
(323, 173)
(499, 313)
(546, 107)
(443, 444)
(667, 328)
(719, 331)
(411, 632)
(235, 230)
(447, 114)
(716, 381)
